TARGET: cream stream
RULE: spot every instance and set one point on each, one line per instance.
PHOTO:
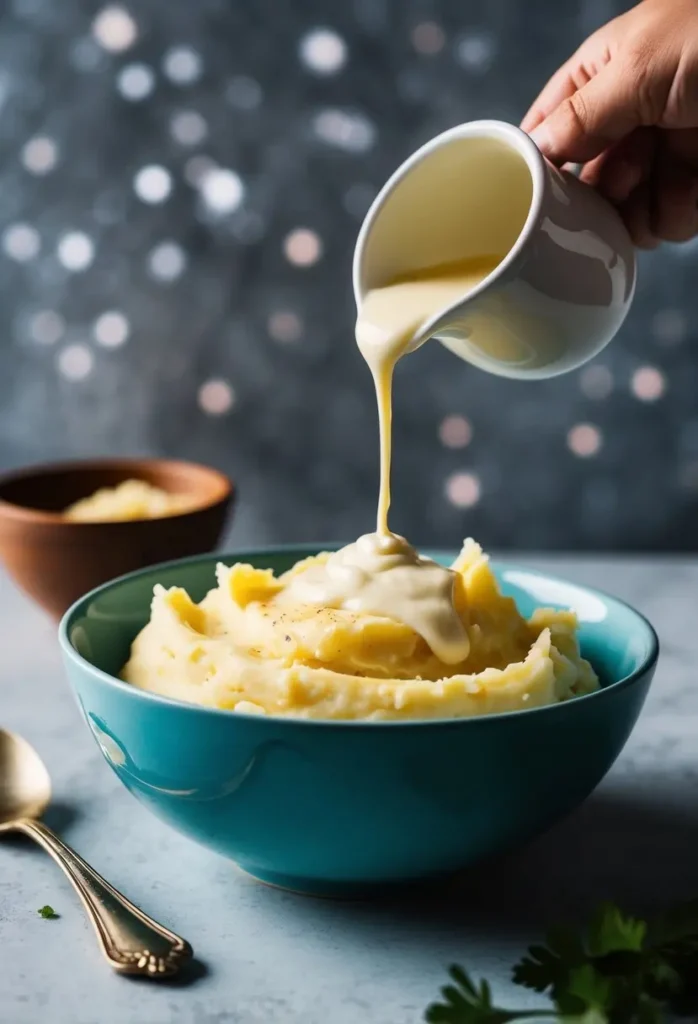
(381, 573)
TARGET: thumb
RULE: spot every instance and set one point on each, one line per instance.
(595, 117)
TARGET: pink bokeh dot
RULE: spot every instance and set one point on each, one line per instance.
(302, 247)
(463, 489)
(648, 384)
(455, 432)
(584, 440)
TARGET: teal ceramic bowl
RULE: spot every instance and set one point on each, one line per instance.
(339, 808)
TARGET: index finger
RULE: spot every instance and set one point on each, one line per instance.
(574, 74)
(560, 87)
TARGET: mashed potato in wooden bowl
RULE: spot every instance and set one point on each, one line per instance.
(132, 499)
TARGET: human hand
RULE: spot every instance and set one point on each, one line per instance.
(626, 106)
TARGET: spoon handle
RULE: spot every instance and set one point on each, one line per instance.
(131, 941)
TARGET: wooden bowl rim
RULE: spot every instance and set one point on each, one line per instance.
(223, 489)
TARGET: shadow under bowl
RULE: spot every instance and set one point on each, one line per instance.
(343, 808)
(55, 560)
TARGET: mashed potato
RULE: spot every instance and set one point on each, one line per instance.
(132, 499)
(248, 648)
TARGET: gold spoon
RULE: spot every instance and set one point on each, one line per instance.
(131, 941)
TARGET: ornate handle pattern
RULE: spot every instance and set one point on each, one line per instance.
(131, 941)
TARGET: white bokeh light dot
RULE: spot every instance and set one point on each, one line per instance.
(323, 51)
(669, 326)
(182, 65)
(222, 190)
(584, 440)
(285, 326)
(596, 382)
(428, 38)
(302, 247)
(216, 397)
(111, 329)
(76, 251)
(463, 489)
(114, 29)
(40, 155)
(648, 384)
(47, 327)
(188, 128)
(153, 184)
(21, 242)
(348, 130)
(244, 92)
(75, 362)
(135, 82)
(455, 432)
(167, 261)
(475, 51)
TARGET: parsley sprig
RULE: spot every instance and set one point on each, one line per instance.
(617, 971)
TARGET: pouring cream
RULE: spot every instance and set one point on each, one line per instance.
(389, 318)
(382, 573)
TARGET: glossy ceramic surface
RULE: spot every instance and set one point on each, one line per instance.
(567, 278)
(334, 808)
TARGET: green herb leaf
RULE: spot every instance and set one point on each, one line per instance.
(589, 1017)
(547, 967)
(541, 969)
(467, 1003)
(664, 980)
(591, 988)
(48, 913)
(611, 931)
(672, 974)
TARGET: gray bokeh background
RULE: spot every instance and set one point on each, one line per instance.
(180, 189)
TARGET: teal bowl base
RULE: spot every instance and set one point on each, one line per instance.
(423, 886)
(352, 891)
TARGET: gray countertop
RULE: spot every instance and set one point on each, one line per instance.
(267, 957)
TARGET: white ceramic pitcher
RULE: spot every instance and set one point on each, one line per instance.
(567, 274)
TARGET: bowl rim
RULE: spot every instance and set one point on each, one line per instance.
(23, 513)
(70, 653)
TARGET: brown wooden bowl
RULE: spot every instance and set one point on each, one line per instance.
(55, 560)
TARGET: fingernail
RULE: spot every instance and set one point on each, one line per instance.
(542, 137)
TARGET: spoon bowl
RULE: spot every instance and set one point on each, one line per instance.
(25, 784)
